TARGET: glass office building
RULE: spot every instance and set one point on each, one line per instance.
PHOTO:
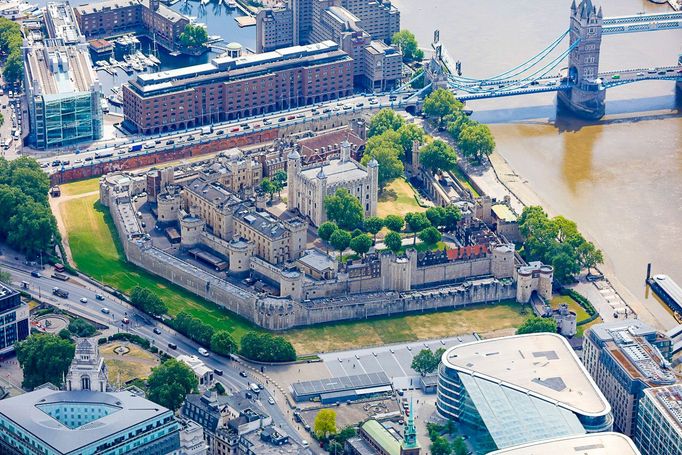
(13, 319)
(659, 421)
(521, 389)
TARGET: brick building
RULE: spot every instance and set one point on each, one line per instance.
(231, 88)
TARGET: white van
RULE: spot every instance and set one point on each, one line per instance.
(203, 352)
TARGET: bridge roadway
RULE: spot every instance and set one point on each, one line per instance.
(143, 325)
(641, 23)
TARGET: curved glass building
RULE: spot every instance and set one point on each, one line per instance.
(521, 389)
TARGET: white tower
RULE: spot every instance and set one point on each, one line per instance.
(88, 370)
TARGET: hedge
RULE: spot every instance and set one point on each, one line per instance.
(581, 299)
(132, 338)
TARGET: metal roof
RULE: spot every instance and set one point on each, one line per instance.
(339, 384)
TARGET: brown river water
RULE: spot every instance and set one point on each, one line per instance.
(619, 178)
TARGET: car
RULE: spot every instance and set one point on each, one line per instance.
(291, 117)
(105, 310)
(35, 274)
(170, 142)
(347, 107)
(360, 104)
(661, 72)
(218, 371)
(257, 125)
(234, 130)
(248, 395)
(651, 71)
(271, 401)
(392, 97)
(84, 300)
(615, 76)
(190, 138)
(243, 374)
(246, 127)
(203, 352)
(99, 297)
(220, 132)
(326, 110)
(125, 321)
(156, 330)
(373, 102)
(172, 345)
(267, 122)
(300, 116)
(640, 74)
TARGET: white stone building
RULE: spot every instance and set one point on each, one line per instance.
(309, 185)
(88, 370)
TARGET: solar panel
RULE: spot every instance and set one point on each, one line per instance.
(340, 384)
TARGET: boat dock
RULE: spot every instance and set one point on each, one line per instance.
(668, 291)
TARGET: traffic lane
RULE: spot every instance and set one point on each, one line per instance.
(273, 119)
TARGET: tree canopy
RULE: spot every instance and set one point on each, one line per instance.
(193, 36)
(373, 225)
(340, 240)
(10, 44)
(438, 156)
(426, 361)
(361, 244)
(430, 235)
(325, 424)
(222, 343)
(170, 382)
(265, 347)
(344, 209)
(537, 325)
(408, 45)
(193, 328)
(44, 358)
(408, 134)
(390, 165)
(82, 328)
(476, 141)
(416, 222)
(384, 120)
(394, 222)
(556, 242)
(393, 241)
(440, 103)
(147, 301)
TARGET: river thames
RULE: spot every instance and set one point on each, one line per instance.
(620, 178)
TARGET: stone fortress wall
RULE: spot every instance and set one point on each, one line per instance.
(380, 285)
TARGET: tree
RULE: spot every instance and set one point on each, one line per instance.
(222, 343)
(440, 103)
(361, 244)
(326, 230)
(438, 156)
(325, 424)
(389, 139)
(430, 235)
(440, 446)
(264, 347)
(476, 141)
(169, 383)
(436, 216)
(344, 209)
(340, 240)
(64, 334)
(147, 301)
(394, 223)
(415, 223)
(451, 217)
(409, 133)
(5, 277)
(193, 328)
(459, 447)
(408, 45)
(390, 166)
(219, 388)
(426, 361)
(373, 225)
(81, 328)
(393, 241)
(193, 36)
(537, 325)
(455, 123)
(268, 186)
(279, 179)
(32, 228)
(44, 358)
(14, 68)
(384, 120)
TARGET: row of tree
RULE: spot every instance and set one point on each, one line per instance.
(220, 342)
(265, 347)
(27, 223)
(557, 242)
(147, 301)
(440, 444)
(10, 45)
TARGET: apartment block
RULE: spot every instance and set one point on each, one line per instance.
(625, 358)
(659, 421)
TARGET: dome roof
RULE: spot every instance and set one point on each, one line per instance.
(234, 46)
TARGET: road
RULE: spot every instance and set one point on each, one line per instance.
(144, 325)
(168, 141)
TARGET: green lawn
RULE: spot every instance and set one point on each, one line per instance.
(98, 253)
(579, 311)
(463, 180)
(380, 331)
(80, 187)
(398, 199)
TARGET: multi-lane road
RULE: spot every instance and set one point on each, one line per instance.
(144, 325)
(140, 145)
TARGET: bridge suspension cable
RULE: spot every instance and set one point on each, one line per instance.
(519, 69)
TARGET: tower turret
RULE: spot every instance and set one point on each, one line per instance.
(410, 444)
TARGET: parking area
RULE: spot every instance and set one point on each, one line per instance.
(394, 360)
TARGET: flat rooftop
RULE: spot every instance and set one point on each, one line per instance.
(668, 400)
(61, 23)
(212, 192)
(541, 364)
(45, 414)
(59, 71)
(589, 444)
(337, 171)
(263, 222)
(340, 384)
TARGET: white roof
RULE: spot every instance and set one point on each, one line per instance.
(540, 364)
(337, 171)
(589, 444)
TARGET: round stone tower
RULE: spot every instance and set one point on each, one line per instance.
(524, 284)
(191, 228)
(545, 280)
(503, 261)
(240, 252)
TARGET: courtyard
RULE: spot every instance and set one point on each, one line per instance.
(398, 198)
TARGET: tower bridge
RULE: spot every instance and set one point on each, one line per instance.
(581, 88)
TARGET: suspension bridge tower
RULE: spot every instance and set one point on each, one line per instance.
(587, 96)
